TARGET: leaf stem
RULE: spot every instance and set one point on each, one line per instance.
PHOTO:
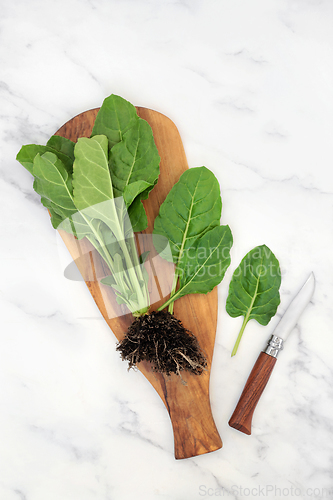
(133, 267)
(246, 319)
(173, 291)
(171, 299)
(142, 299)
(137, 266)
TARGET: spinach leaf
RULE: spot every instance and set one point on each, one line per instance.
(27, 154)
(134, 166)
(137, 215)
(91, 176)
(93, 191)
(254, 289)
(132, 191)
(191, 208)
(62, 145)
(205, 265)
(135, 159)
(54, 185)
(56, 219)
(114, 118)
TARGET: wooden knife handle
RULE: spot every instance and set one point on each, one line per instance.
(241, 418)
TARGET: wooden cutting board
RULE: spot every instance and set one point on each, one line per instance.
(188, 403)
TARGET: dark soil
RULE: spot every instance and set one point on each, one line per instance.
(161, 338)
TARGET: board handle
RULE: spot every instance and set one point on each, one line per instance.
(194, 429)
(241, 419)
(195, 434)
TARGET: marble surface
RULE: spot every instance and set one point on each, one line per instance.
(249, 86)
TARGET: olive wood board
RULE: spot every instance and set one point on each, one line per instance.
(186, 399)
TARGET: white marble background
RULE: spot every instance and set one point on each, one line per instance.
(249, 85)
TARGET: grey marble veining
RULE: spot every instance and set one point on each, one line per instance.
(249, 86)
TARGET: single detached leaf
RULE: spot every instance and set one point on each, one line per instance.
(191, 208)
(62, 145)
(114, 118)
(254, 288)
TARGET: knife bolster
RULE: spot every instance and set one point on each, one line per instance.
(274, 346)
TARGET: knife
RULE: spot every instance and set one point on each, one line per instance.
(241, 418)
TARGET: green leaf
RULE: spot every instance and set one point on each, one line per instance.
(143, 257)
(135, 158)
(134, 189)
(108, 280)
(92, 184)
(191, 208)
(138, 216)
(108, 238)
(91, 177)
(205, 265)
(54, 183)
(134, 165)
(27, 154)
(56, 219)
(114, 118)
(254, 289)
(136, 211)
(62, 145)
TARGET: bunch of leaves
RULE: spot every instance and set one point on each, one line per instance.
(189, 219)
(94, 189)
(254, 289)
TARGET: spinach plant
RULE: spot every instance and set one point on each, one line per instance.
(189, 220)
(254, 289)
(94, 189)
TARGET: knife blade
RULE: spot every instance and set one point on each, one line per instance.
(241, 418)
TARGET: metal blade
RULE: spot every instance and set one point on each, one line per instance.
(293, 312)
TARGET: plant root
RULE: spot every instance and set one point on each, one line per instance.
(161, 339)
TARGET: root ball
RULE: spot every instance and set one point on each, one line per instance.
(161, 339)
